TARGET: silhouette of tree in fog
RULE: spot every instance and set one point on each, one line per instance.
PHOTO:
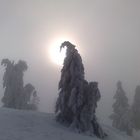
(15, 94)
(31, 98)
(77, 101)
(121, 117)
(136, 108)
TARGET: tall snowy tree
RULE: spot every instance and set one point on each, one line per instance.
(121, 117)
(18, 84)
(7, 99)
(13, 83)
(15, 94)
(77, 101)
(136, 108)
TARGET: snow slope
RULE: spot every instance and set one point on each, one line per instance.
(28, 125)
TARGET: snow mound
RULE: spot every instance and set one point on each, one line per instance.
(29, 125)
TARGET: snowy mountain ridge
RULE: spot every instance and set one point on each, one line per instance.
(29, 125)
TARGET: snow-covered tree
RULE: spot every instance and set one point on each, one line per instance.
(15, 94)
(77, 101)
(7, 99)
(13, 83)
(122, 115)
(136, 108)
(33, 103)
(18, 84)
(28, 90)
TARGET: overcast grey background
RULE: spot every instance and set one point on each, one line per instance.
(106, 31)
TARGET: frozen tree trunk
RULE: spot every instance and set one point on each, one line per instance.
(77, 101)
(122, 115)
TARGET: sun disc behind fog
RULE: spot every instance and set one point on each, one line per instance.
(57, 56)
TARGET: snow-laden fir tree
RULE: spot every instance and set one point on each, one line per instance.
(136, 108)
(7, 83)
(31, 99)
(28, 90)
(77, 101)
(15, 94)
(122, 116)
(13, 83)
(34, 103)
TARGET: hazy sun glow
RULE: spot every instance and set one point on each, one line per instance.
(56, 56)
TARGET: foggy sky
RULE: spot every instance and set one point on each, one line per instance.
(106, 31)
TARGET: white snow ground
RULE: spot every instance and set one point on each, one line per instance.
(28, 125)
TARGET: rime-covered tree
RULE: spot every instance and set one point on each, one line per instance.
(34, 101)
(15, 94)
(13, 83)
(28, 90)
(77, 101)
(121, 117)
(136, 108)
(18, 84)
(7, 99)
(31, 98)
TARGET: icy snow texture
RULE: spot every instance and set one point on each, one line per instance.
(29, 125)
